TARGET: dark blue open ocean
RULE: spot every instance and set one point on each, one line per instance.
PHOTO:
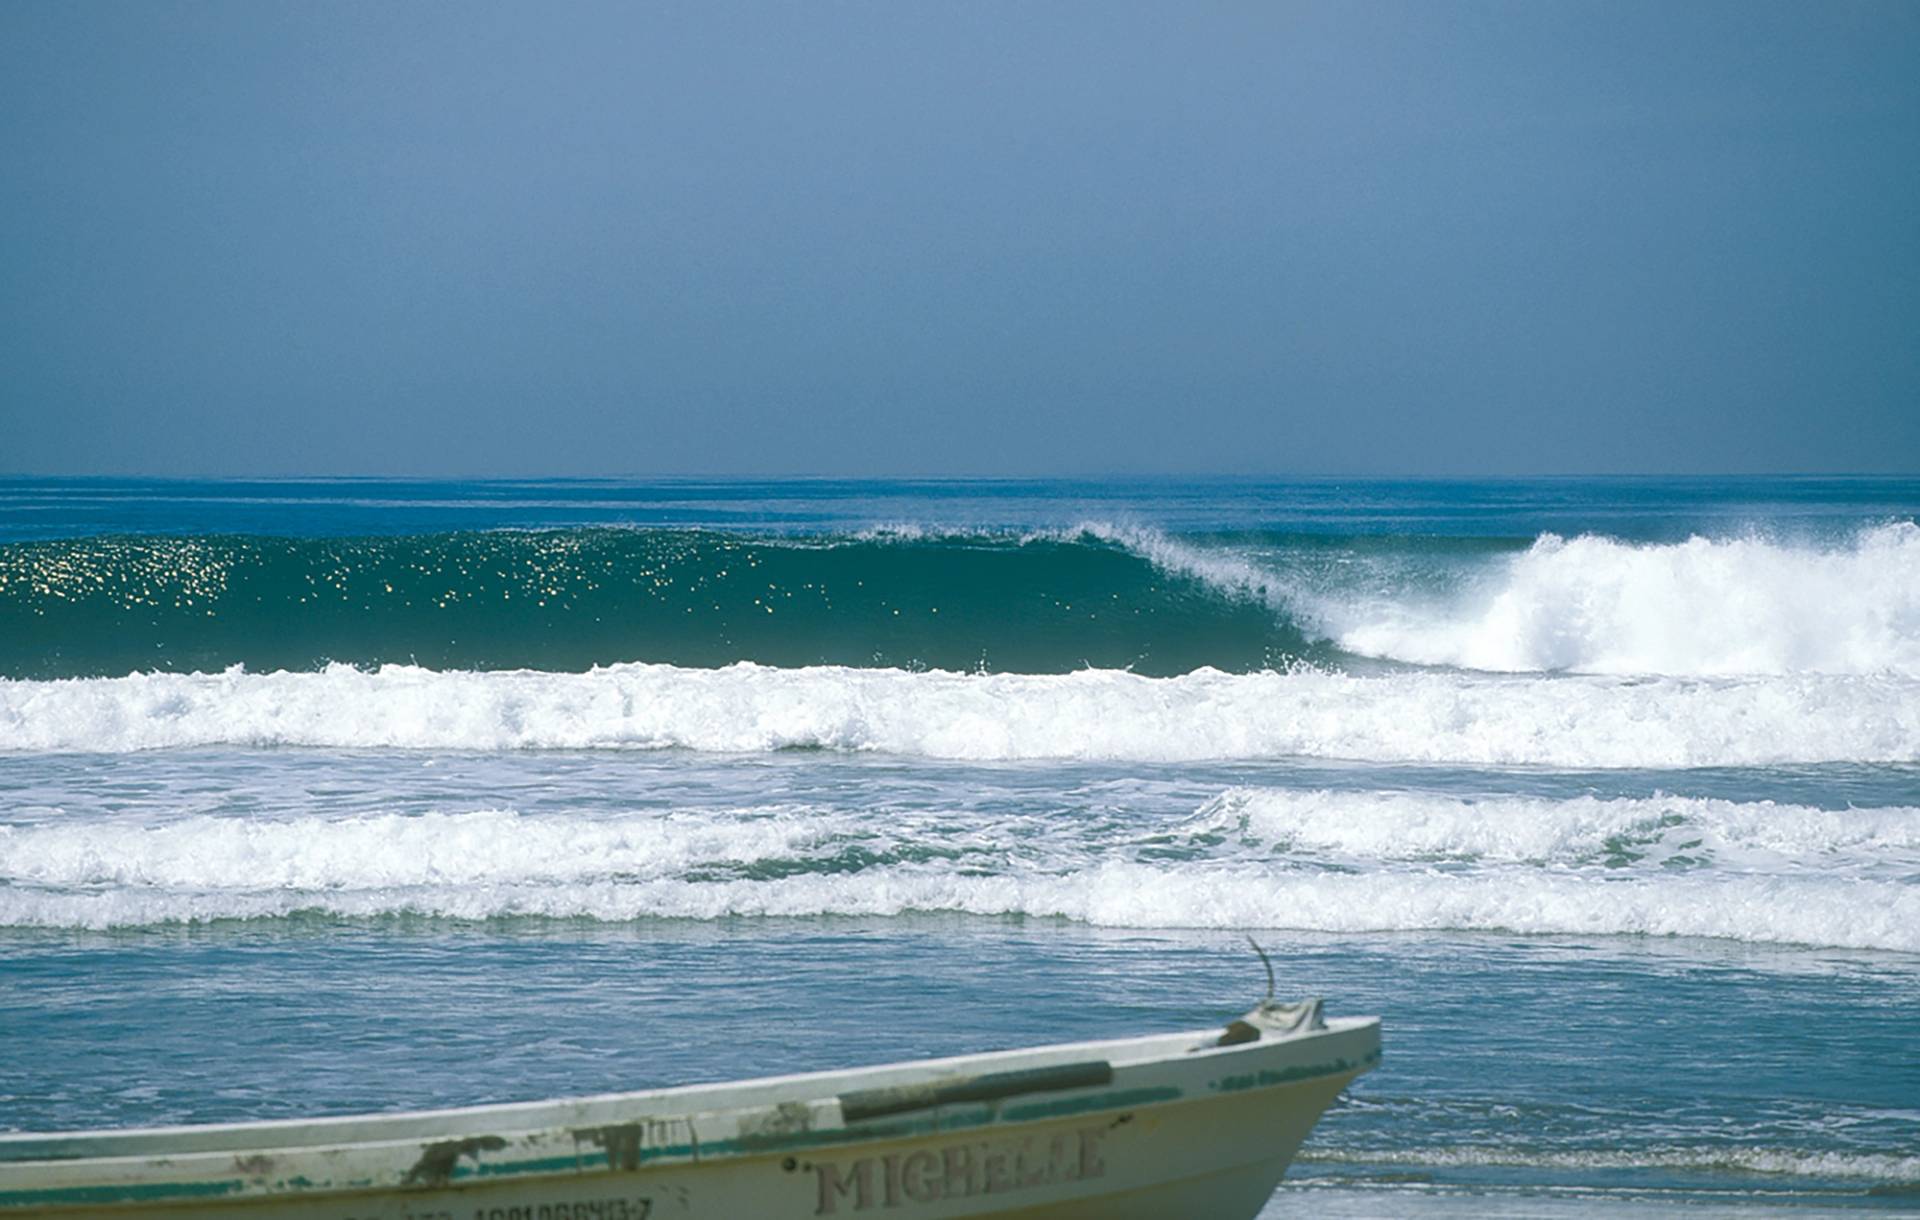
(330, 796)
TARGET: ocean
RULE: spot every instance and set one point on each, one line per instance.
(340, 795)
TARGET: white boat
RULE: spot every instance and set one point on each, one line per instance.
(1173, 1125)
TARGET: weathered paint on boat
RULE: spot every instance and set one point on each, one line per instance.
(1200, 1123)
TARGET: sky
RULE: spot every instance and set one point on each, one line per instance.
(981, 238)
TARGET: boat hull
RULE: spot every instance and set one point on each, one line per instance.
(1185, 1128)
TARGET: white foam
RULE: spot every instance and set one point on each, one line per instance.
(1785, 910)
(1591, 604)
(1653, 832)
(1817, 880)
(374, 852)
(1269, 827)
(1862, 1165)
(1701, 607)
(1093, 714)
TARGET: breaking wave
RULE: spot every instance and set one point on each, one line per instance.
(1097, 595)
(1702, 607)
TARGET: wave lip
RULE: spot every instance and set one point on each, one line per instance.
(1093, 714)
(1704, 607)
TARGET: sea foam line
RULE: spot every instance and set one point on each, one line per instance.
(1273, 829)
(1870, 1166)
(390, 851)
(1805, 910)
(1614, 833)
(1092, 714)
(1316, 860)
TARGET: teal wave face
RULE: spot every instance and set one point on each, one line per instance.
(572, 599)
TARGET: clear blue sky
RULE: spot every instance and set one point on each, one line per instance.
(965, 238)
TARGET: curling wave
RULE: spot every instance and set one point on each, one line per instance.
(571, 599)
(1095, 595)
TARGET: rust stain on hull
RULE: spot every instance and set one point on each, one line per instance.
(435, 1166)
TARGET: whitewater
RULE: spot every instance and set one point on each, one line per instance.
(1251, 858)
(1592, 788)
(1094, 714)
(1702, 607)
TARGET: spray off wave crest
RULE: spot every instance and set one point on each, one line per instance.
(1409, 717)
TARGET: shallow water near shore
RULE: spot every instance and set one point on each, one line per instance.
(1638, 1071)
(1605, 795)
